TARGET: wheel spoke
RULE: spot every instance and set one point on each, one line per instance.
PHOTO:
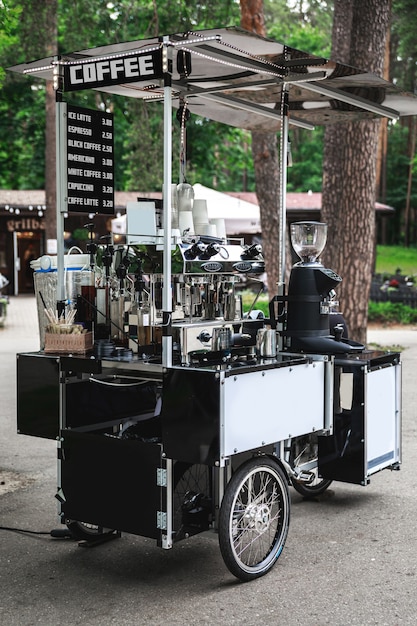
(189, 481)
(250, 538)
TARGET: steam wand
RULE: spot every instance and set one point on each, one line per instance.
(107, 259)
(91, 246)
(108, 254)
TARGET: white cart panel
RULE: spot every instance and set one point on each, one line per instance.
(382, 418)
(263, 407)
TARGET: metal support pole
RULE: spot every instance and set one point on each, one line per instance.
(61, 192)
(61, 185)
(167, 288)
(329, 395)
(283, 187)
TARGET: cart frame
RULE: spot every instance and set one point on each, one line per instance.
(319, 416)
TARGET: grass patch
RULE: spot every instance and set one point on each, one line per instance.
(262, 303)
(389, 259)
(384, 313)
(378, 346)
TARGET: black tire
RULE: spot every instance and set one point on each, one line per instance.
(305, 450)
(81, 531)
(254, 518)
(309, 491)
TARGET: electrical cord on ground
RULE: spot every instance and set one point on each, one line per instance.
(57, 533)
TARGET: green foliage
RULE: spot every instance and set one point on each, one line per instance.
(80, 234)
(22, 130)
(143, 158)
(139, 125)
(9, 20)
(308, 27)
(391, 312)
(218, 156)
(305, 37)
(398, 163)
(404, 25)
(306, 172)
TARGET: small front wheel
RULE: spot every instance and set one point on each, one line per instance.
(254, 518)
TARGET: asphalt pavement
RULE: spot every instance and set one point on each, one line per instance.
(350, 557)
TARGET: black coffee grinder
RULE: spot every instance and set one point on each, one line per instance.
(311, 323)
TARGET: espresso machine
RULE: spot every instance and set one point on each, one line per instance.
(312, 323)
(206, 305)
(206, 315)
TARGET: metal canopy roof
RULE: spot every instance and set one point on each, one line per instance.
(236, 77)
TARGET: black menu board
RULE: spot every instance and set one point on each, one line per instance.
(90, 161)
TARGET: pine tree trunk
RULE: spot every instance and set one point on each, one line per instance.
(266, 164)
(349, 175)
(39, 36)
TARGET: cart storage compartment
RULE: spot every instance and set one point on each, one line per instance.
(367, 424)
(38, 395)
(110, 482)
(271, 405)
(108, 399)
(209, 415)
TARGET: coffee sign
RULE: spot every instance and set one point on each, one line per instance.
(106, 72)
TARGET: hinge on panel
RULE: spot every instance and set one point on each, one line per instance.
(161, 477)
(161, 520)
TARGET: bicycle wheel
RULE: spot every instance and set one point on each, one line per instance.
(81, 531)
(192, 499)
(304, 450)
(254, 518)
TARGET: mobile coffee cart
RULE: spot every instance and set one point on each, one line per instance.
(187, 415)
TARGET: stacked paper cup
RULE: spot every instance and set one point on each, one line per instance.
(200, 217)
(174, 207)
(185, 200)
(220, 226)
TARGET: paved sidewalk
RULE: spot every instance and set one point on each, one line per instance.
(22, 457)
(21, 325)
(350, 556)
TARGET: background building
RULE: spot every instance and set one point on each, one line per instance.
(23, 215)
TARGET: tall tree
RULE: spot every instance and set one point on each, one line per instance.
(349, 176)
(39, 37)
(298, 28)
(266, 163)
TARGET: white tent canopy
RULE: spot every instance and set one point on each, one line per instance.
(240, 216)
